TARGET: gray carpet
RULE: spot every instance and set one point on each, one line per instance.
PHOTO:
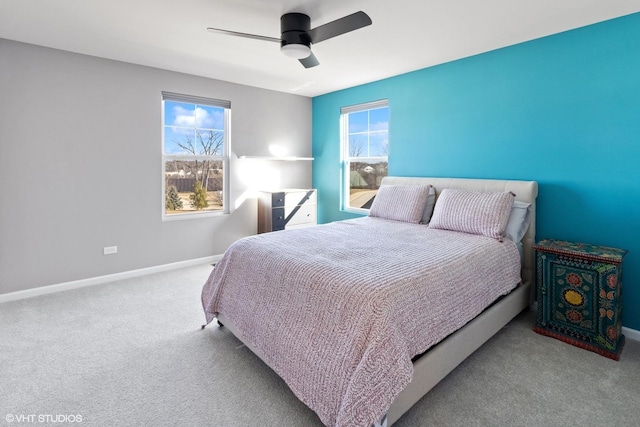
(131, 353)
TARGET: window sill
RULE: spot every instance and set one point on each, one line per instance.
(194, 215)
(356, 211)
(283, 158)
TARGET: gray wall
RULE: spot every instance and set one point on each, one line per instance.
(80, 165)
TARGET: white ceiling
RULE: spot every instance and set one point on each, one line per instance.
(406, 35)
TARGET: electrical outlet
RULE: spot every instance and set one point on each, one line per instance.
(108, 250)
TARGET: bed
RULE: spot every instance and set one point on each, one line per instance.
(335, 332)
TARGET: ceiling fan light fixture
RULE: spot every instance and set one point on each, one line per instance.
(297, 36)
(296, 51)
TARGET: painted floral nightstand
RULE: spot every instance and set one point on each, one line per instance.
(579, 293)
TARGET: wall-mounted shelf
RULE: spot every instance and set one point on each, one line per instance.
(283, 158)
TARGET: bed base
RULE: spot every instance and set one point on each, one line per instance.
(445, 356)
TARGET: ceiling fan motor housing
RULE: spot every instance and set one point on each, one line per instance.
(295, 29)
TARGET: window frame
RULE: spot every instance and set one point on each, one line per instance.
(346, 159)
(224, 157)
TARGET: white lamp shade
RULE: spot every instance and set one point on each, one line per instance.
(296, 51)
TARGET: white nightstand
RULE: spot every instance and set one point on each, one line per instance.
(286, 209)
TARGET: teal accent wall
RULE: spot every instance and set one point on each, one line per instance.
(562, 110)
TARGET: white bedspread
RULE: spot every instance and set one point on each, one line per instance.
(339, 310)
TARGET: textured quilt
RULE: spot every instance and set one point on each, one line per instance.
(339, 310)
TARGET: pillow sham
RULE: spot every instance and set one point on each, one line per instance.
(428, 207)
(519, 221)
(400, 202)
(474, 212)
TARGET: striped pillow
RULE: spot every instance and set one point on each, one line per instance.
(400, 202)
(473, 212)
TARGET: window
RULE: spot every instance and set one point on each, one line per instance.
(365, 149)
(195, 155)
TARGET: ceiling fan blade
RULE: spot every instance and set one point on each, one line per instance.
(339, 26)
(248, 36)
(309, 61)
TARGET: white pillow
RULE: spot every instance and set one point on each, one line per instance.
(474, 212)
(428, 207)
(519, 221)
(400, 202)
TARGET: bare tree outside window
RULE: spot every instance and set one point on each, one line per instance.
(206, 143)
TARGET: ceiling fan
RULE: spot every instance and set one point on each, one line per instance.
(297, 36)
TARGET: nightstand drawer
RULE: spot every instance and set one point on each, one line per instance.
(294, 215)
(303, 214)
(293, 198)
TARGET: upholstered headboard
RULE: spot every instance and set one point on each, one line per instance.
(525, 191)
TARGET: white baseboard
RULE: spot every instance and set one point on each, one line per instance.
(631, 334)
(44, 290)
